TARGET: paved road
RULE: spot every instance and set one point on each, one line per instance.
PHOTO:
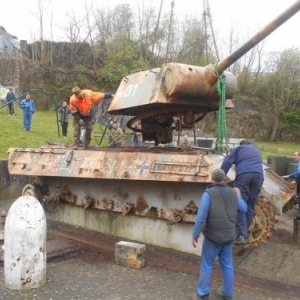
(81, 266)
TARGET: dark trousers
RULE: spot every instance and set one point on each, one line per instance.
(250, 185)
(114, 144)
(299, 203)
(88, 131)
(64, 128)
(11, 108)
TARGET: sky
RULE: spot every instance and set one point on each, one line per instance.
(247, 17)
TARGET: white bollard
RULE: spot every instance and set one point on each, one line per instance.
(25, 245)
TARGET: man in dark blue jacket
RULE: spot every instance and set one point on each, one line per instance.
(249, 179)
(10, 97)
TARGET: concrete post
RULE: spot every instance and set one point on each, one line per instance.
(25, 245)
(296, 231)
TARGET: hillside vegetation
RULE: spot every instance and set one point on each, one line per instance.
(44, 128)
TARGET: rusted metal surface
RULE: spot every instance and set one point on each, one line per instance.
(139, 182)
(174, 87)
(60, 174)
(125, 163)
(277, 191)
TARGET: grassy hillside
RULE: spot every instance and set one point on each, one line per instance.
(44, 128)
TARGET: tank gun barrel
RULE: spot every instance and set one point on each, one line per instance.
(227, 62)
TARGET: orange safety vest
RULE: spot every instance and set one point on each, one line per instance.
(84, 105)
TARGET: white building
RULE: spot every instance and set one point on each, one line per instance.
(8, 42)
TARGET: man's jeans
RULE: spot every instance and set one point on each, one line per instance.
(210, 251)
(250, 185)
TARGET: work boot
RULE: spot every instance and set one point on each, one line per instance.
(77, 146)
(240, 240)
(224, 297)
(87, 146)
(204, 297)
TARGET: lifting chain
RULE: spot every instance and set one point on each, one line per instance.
(155, 32)
(169, 34)
(222, 128)
(205, 31)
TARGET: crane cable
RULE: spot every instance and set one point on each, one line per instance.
(169, 34)
(155, 33)
(204, 16)
(207, 17)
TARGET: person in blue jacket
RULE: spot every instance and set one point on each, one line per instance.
(249, 179)
(28, 107)
(216, 219)
(10, 97)
(296, 176)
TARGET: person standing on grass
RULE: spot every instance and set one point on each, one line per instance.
(28, 107)
(64, 118)
(10, 97)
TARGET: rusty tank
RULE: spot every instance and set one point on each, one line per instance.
(151, 193)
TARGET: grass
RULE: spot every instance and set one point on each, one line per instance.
(44, 128)
(277, 149)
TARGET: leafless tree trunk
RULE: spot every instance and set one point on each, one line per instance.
(41, 23)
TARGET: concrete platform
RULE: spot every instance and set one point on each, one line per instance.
(81, 266)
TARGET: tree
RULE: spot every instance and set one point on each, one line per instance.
(190, 47)
(119, 64)
(279, 88)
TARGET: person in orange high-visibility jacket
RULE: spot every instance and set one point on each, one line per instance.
(81, 103)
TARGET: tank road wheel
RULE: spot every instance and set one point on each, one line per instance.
(262, 224)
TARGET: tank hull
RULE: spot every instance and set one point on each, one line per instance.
(149, 195)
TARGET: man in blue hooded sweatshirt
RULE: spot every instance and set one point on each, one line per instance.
(28, 107)
(249, 180)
